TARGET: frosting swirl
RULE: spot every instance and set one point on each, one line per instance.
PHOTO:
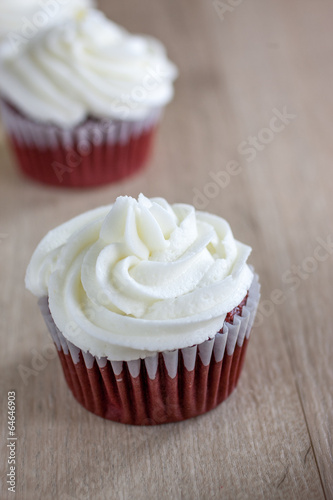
(139, 277)
(88, 66)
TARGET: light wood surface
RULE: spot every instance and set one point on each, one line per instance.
(273, 438)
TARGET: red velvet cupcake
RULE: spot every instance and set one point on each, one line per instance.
(150, 307)
(82, 101)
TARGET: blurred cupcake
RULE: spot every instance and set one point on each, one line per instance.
(81, 101)
(150, 307)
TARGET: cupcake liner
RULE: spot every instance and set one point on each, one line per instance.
(94, 153)
(167, 387)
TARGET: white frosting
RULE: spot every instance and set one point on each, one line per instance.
(16, 15)
(140, 277)
(88, 66)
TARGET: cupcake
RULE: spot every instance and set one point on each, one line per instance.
(150, 307)
(82, 100)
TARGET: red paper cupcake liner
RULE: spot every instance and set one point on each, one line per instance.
(94, 153)
(169, 387)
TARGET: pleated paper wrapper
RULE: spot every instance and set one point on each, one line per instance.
(168, 387)
(92, 154)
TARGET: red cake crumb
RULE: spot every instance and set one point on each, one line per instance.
(236, 311)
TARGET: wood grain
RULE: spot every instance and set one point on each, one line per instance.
(273, 437)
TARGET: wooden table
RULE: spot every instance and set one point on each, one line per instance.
(240, 67)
